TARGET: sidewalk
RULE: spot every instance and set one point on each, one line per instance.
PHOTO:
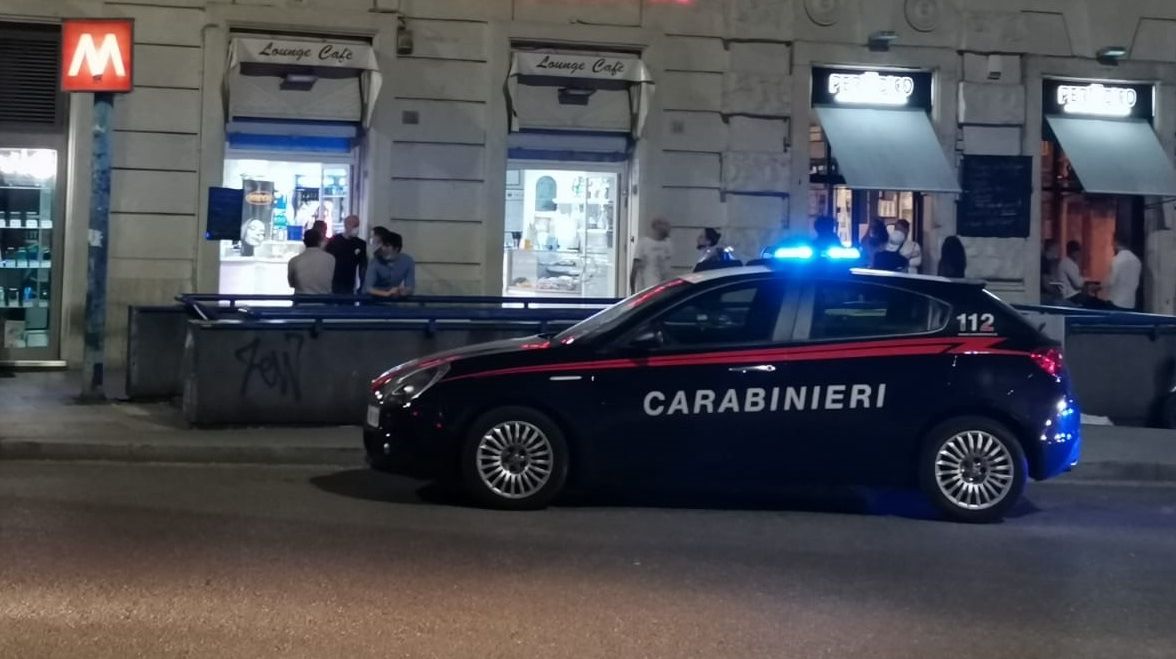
(40, 420)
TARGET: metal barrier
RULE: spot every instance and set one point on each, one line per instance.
(240, 359)
(208, 306)
(1122, 363)
(172, 351)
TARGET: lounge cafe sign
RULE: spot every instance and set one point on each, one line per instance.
(626, 69)
(291, 52)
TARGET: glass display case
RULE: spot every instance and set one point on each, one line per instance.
(28, 180)
(561, 238)
(283, 198)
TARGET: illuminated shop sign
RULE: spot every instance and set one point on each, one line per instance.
(1097, 99)
(96, 55)
(850, 87)
(871, 88)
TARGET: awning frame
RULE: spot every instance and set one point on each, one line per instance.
(1156, 178)
(323, 53)
(945, 181)
(603, 71)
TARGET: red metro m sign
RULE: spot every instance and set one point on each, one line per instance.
(96, 55)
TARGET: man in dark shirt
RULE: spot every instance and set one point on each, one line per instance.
(350, 252)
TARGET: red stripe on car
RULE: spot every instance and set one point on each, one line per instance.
(855, 350)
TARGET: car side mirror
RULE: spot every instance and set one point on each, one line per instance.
(647, 340)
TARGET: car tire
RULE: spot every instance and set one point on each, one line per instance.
(514, 458)
(973, 469)
(380, 463)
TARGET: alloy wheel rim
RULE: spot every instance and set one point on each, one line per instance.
(515, 459)
(974, 470)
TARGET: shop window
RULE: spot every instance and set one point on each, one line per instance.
(1070, 214)
(849, 310)
(742, 314)
(283, 198)
(562, 238)
(28, 217)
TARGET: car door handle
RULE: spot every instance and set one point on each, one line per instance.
(762, 368)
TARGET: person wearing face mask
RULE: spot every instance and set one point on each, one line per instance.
(392, 273)
(350, 252)
(890, 257)
(901, 241)
(712, 255)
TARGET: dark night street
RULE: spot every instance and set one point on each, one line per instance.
(157, 560)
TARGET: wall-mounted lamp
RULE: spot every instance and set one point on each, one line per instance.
(404, 43)
(880, 41)
(1110, 55)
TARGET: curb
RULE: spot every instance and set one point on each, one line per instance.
(1148, 472)
(193, 454)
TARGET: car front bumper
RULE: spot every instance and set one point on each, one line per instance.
(411, 441)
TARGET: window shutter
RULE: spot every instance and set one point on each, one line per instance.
(29, 56)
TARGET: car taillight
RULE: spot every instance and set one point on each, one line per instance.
(1049, 360)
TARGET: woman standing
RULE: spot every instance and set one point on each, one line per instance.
(953, 261)
(874, 240)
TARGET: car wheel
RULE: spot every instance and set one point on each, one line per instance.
(973, 469)
(514, 458)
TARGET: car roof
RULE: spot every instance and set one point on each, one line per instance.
(827, 271)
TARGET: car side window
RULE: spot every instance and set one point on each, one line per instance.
(848, 310)
(737, 314)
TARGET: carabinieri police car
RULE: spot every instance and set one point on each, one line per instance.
(796, 370)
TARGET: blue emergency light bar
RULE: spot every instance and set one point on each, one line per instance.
(807, 253)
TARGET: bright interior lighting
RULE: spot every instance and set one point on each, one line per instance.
(39, 164)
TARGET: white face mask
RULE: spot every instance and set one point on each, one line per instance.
(897, 237)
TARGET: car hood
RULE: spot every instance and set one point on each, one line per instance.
(506, 346)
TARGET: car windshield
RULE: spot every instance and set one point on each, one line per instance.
(612, 316)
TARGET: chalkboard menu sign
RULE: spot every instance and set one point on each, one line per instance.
(224, 214)
(997, 193)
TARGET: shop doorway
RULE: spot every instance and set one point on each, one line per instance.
(1068, 213)
(285, 194)
(563, 227)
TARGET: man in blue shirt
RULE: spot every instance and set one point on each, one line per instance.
(391, 272)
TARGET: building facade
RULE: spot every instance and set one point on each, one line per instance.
(522, 146)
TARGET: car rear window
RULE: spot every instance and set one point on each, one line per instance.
(850, 309)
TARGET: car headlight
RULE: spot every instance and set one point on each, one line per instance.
(407, 387)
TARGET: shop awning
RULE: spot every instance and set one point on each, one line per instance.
(558, 91)
(1116, 156)
(305, 80)
(887, 149)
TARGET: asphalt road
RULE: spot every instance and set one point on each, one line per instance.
(153, 560)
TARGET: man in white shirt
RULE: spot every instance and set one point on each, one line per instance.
(1126, 269)
(312, 271)
(652, 257)
(1069, 273)
(910, 250)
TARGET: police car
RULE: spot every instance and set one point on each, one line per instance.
(799, 369)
